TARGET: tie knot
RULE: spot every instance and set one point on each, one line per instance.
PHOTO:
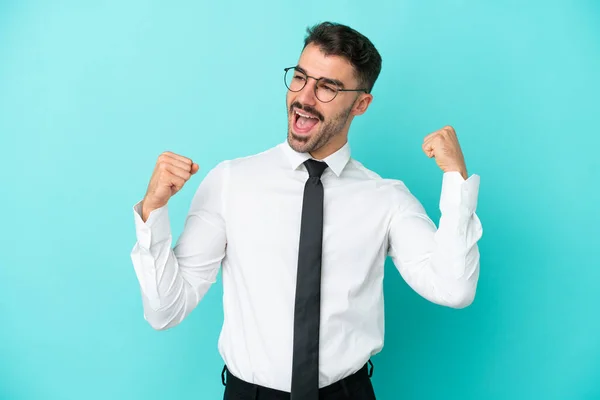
(315, 168)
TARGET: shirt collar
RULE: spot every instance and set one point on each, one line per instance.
(336, 161)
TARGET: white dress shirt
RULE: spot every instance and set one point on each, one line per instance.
(245, 217)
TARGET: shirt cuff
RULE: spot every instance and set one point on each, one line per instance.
(156, 228)
(458, 193)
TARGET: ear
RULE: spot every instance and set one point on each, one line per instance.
(362, 103)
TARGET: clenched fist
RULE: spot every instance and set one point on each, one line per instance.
(171, 172)
(444, 147)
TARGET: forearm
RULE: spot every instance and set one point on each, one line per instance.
(448, 271)
(441, 264)
(173, 280)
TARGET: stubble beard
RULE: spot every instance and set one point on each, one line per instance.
(327, 131)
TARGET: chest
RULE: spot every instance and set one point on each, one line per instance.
(264, 220)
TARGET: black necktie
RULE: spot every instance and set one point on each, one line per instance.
(305, 366)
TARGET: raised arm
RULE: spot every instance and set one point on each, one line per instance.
(440, 263)
(173, 279)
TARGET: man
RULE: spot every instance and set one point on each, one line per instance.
(302, 231)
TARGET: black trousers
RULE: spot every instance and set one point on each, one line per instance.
(354, 387)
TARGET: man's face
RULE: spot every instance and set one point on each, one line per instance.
(313, 124)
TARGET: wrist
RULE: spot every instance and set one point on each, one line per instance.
(147, 208)
(462, 171)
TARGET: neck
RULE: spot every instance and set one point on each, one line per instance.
(329, 148)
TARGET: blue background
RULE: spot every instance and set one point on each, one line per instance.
(92, 92)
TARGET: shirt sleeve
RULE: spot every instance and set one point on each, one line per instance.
(173, 280)
(440, 264)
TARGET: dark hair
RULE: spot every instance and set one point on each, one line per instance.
(341, 40)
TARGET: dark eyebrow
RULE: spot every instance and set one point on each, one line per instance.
(326, 80)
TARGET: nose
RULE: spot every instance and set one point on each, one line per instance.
(307, 94)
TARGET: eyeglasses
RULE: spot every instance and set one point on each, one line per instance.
(325, 90)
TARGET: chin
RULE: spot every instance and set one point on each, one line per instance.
(300, 143)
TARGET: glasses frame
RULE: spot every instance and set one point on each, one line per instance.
(317, 84)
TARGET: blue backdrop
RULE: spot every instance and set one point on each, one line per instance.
(92, 92)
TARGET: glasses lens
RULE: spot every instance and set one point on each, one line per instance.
(294, 80)
(326, 91)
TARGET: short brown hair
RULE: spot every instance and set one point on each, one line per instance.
(341, 40)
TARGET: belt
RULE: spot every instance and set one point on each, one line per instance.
(364, 373)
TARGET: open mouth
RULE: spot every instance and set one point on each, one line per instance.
(304, 122)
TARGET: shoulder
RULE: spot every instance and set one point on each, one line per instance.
(250, 162)
(358, 170)
(227, 172)
(243, 167)
(393, 189)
